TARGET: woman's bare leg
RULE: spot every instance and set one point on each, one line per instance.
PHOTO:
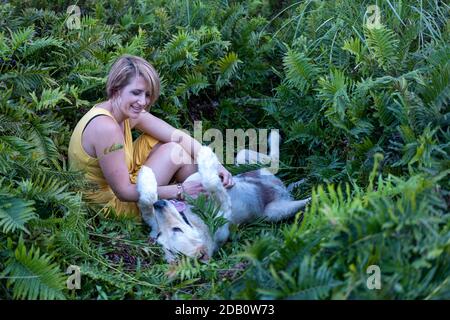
(170, 160)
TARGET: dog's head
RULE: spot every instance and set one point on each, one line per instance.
(181, 232)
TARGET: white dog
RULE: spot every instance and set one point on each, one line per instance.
(178, 230)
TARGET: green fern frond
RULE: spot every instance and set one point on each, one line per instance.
(383, 45)
(15, 213)
(228, 67)
(15, 145)
(233, 14)
(40, 133)
(299, 69)
(50, 192)
(20, 37)
(437, 91)
(191, 84)
(333, 91)
(33, 276)
(181, 50)
(49, 99)
(354, 47)
(208, 211)
(310, 133)
(382, 102)
(5, 49)
(136, 46)
(305, 282)
(48, 43)
(27, 78)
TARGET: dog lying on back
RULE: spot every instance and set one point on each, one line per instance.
(178, 229)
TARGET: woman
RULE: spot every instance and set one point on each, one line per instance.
(102, 147)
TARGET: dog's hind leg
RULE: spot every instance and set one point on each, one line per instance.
(282, 209)
(294, 185)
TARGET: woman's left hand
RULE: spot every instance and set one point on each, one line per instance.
(225, 175)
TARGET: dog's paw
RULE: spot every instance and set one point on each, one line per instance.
(147, 186)
(207, 167)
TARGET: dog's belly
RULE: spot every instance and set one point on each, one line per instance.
(246, 202)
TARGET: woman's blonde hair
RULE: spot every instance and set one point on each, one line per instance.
(126, 68)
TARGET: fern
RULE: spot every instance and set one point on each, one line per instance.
(228, 67)
(21, 37)
(192, 84)
(15, 213)
(49, 99)
(299, 70)
(383, 44)
(304, 282)
(334, 93)
(208, 211)
(437, 91)
(32, 275)
(354, 47)
(47, 43)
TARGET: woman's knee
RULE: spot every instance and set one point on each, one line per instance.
(176, 152)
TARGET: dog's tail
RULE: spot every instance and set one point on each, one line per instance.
(248, 156)
(274, 145)
(207, 167)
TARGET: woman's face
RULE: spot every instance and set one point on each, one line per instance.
(134, 97)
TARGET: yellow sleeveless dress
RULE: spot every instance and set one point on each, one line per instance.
(135, 155)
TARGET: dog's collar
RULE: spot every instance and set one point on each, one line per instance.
(179, 205)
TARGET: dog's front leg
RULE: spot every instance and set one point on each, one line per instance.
(148, 194)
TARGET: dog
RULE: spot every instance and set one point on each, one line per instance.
(255, 194)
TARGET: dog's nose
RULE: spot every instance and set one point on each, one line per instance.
(159, 204)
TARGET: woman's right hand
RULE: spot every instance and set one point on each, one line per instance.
(193, 188)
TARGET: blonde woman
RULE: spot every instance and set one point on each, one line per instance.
(101, 144)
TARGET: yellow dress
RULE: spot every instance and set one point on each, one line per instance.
(135, 155)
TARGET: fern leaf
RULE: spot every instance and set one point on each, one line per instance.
(354, 47)
(299, 69)
(40, 136)
(383, 45)
(437, 91)
(33, 276)
(21, 37)
(333, 91)
(192, 84)
(228, 67)
(49, 98)
(48, 43)
(15, 213)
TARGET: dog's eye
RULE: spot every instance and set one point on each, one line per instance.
(176, 229)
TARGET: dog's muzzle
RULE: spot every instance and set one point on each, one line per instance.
(159, 204)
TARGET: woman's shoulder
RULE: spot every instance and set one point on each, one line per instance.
(103, 124)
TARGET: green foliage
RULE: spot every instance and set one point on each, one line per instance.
(344, 231)
(208, 210)
(32, 275)
(15, 213)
